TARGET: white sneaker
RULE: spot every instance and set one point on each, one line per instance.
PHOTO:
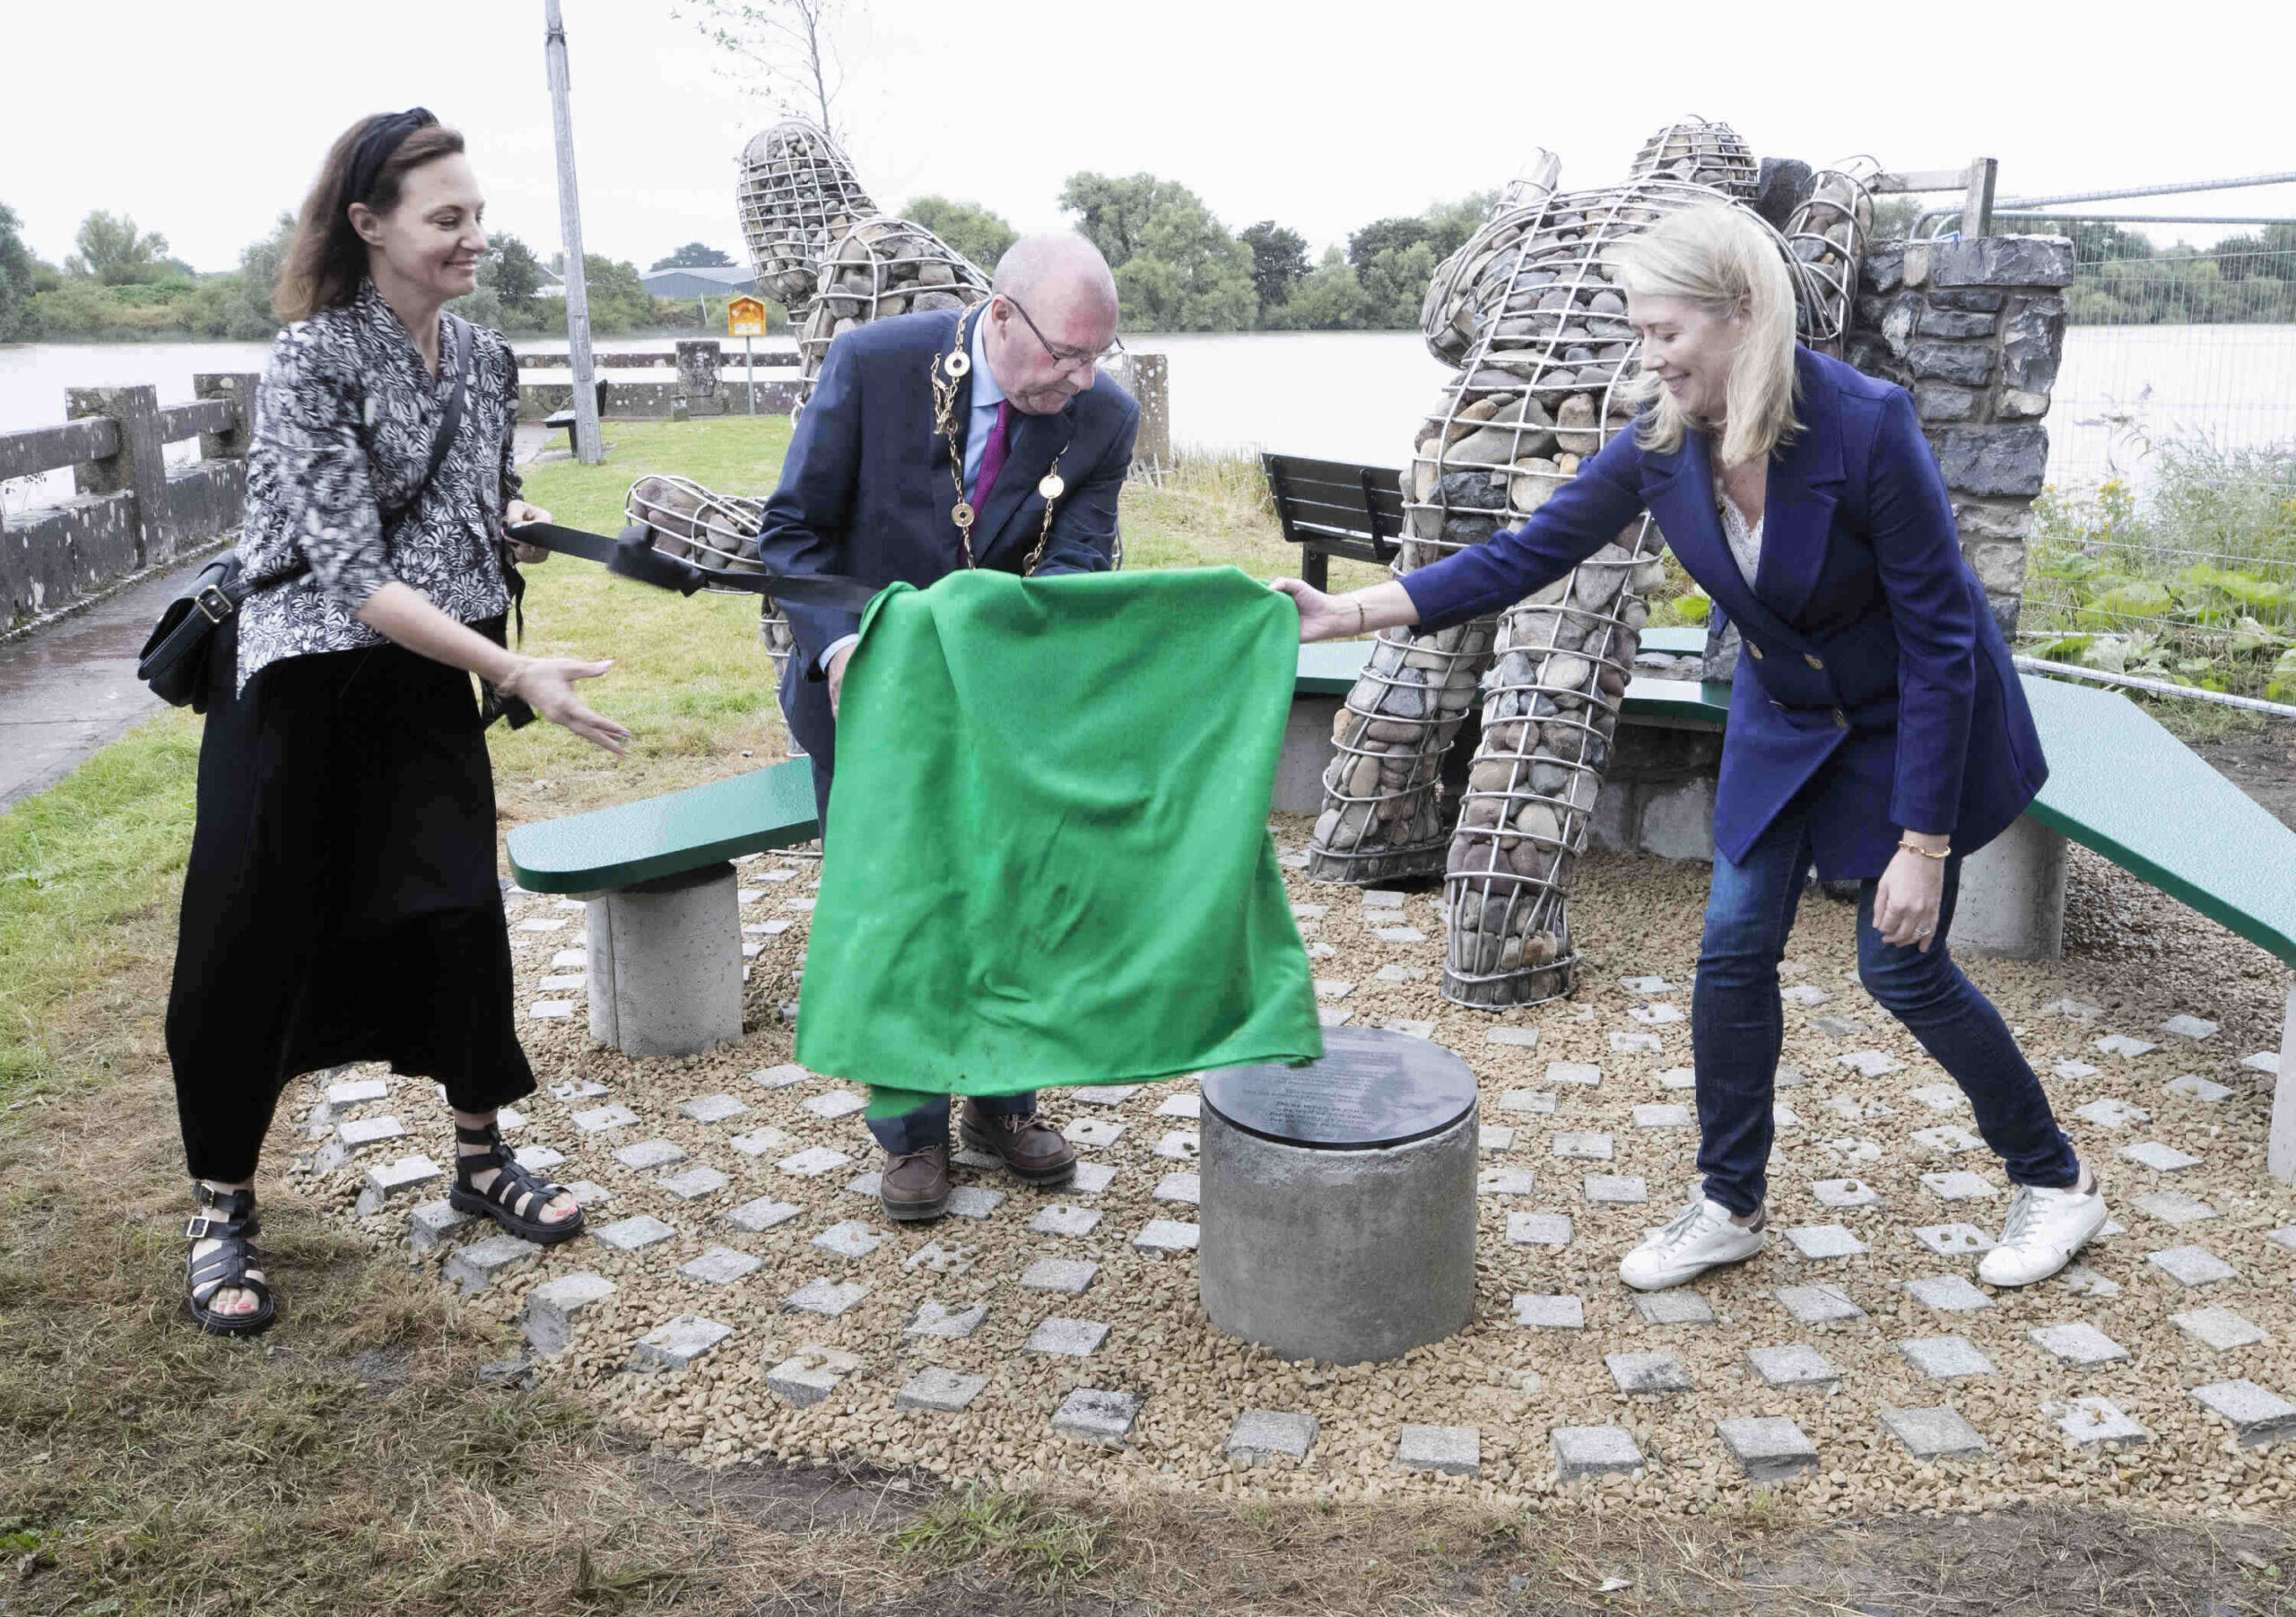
(2045, 1228)
(1702, 1234)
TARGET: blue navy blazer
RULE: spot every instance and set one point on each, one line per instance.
(865, 491)
(1874, 676)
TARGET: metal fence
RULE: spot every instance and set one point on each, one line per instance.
(2166, 543)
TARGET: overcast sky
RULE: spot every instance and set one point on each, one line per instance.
(204, 122)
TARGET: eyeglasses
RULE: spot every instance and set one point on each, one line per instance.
(1067, 359)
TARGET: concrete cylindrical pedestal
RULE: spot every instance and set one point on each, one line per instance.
(2012, 898)
(665, 964)
(1337, 1207)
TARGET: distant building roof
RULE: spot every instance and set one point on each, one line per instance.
(710, 282)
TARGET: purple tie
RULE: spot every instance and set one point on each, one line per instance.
(992, 454)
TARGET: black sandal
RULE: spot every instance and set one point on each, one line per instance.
(516, 1191)
(226, 1267)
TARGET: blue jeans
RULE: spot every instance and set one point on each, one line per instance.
(1737, 1024)
(928, 1124)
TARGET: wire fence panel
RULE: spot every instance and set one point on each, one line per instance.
(2165, 545)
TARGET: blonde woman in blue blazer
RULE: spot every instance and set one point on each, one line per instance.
(1877, 728)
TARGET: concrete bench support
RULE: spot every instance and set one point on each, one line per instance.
(665, 964)
(1307, 755)
(2012, 902)
(2280, 1153)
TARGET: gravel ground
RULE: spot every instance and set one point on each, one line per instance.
(2135, 956)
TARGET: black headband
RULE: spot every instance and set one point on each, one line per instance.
(375, 147)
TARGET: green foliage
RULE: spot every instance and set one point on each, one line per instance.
(113, 251)
(236, 307)
(1328, 299)
(980, 234)
(509, 291)
(2123, 279)
(693, 254)
(1177, 267)
(987, 1531)
(1278, 262)
(1113, 214)
(19, 273)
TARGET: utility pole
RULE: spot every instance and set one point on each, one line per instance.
(587, 449)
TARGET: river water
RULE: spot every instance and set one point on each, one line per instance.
(1360, 395)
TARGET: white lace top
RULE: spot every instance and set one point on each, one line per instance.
(1745, 543)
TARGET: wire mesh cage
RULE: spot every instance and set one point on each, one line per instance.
(1698, 152)
(797, 190)
(1826, 240)
(1451, 315)
(877, 268)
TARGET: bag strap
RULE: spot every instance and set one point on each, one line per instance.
(633, 556)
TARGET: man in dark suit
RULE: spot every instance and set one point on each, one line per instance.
(934, 442)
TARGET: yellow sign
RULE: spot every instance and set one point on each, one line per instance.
(744, 318)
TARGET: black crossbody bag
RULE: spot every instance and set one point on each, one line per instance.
(192, 632)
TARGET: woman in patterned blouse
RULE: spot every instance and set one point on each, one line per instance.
(342, 903)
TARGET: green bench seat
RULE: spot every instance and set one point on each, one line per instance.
(666, 836)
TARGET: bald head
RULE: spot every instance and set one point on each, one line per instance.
(1053, 309)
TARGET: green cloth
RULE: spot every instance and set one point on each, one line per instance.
(1048, 860)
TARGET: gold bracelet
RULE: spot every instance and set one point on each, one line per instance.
(1915, 847)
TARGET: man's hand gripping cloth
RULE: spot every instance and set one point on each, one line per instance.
(1051, 862)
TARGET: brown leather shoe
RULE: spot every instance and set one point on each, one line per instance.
(915, 1186)
(1025, 1143)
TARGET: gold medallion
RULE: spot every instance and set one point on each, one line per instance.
(958, 363)
(962, 513)
(1052, 488)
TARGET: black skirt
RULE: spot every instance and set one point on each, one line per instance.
(341, 903)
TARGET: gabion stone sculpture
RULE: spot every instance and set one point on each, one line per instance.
(876, 268)
(1700, 153)
(797, 190)
(1451, 317)
(687, 520)
(1542, 389)
(1827, 236)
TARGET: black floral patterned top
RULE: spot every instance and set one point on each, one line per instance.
(343, 427)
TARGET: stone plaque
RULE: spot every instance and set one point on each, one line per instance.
(1372, 1089)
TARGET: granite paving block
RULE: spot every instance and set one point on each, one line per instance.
(1538, 1229)
(1592, 1451)
(650, 1153)
(1166, 1236)
(1768, 1448)
(1067, 1338)
(720, 1266)
(1950, 1292)
(871, 1184)
(1584, 1148)
(583, 1089)
(1068, 1275)
(1310, 912)
(942, 1391)
(1954, 1240)
(1789, 1077)
(1059, 1218)
(1636, 1044)
(1092, 1133)
(1528, 1102)
(2157, 1157)
(2285, 1237)
(1664, 1116)
(1328, 987)
(482, 1263)
(677, 1345)
(429, 1225)
(1672, 1078)
(2257, 1416)
(2191, 1266)
(1505, 1181)
(825, 1296)
(1854, 1149)
(814, 1162)
(1677, 1306)
(1836, 1027)
(694, 1182)
(353, 1091)
(1185, 1187)
(1647, 1373)
(1945, 1357)
(761, 1142)
(2263, 1061)
(369, 1131)
(975, 1201)
(1492, 1139)
(2083, 1280)
(1574, 1072)
(597, 1120)
(2219, 1328)
(780, 1077)
(2189, 1027)
(2073, 1072)
(1942, 1097)
(634, 1234)
(2123, 1045)
(1416, 974)
(711, 1109)
(571, 960)
(542, 923)
(1446, 1450)
(2090, 1420)
(2077, 1342)
(387, 1181)
(1623, 1190)
(2073, 1009)
(540, 1158)
(1399, 934)
(1655, 1016)
(1961, 1185)
(1934, 1434)
(851, 1240)
(1408, 1027)
(587, 1195)
(1378, 899)
(843, 1103)
(2172, 1207)
(1783, 1118)
(1181, 1145)
(2112, 1114)
(949, 1324)
(550, 1010)
(1090, 1178)
(1648, 985)
(1262, 1436)
(1551, 1313)
(1096, 1415)
(1856, 1109)
(1521, 1038)
(1871, 1064)
(761, 1215)
(1796, 1365)
(942, 1257)
(1841, 1194)
(1825, 1240)
(2193, 1086)
(1182, 1106)
(1948, 1140)
(1103, 1094)
(1328, 1018)
(555, 1307)
(810, 1375)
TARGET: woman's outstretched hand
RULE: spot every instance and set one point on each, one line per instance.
(546, 684)
(1321, 616)
(1908, 899)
